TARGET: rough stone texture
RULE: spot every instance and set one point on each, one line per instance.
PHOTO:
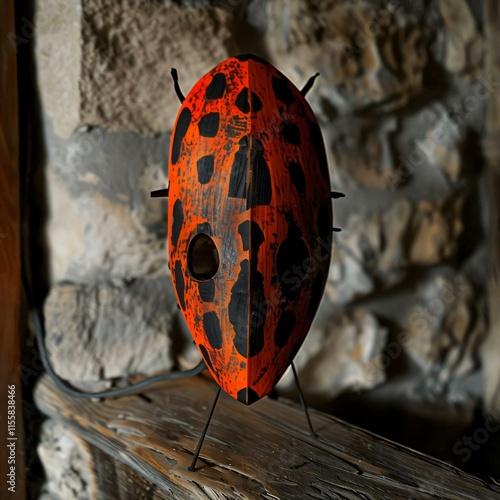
(339, 354)
(357, 49)
(103, 224)
(431, 149)
(378, 251)
(112, 330)
(445, 329)
(425, 147)
(441, 144)
(374, 164)
(381, 63)
(58, 57)
(435, 229)
(463, 44)
(108, 63)
(67, 462)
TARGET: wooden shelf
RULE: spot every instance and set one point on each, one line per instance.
(261, 451)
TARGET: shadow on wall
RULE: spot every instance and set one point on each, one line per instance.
(34, 216)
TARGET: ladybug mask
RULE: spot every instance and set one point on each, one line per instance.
(250, 221)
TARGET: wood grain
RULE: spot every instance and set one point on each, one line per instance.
(9, 249)
(270, 227)
(262, 451)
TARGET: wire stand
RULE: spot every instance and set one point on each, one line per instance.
(192, 467)
(303, 401)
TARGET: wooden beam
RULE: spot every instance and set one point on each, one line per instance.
(11, 443)
(260, 451)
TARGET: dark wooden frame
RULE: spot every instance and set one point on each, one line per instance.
(10, 270)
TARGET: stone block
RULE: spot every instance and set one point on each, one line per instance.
(340, 353)
(67, 462)
(108, 63)
(376, 252)
(102, 332)
(356, 47)
(445, 327)
(102, 222)
(463, 44)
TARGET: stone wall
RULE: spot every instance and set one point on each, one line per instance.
(401, 100)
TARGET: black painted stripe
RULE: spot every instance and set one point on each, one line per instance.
(211, 325)
(216, 88)
(238, 308)
(179, 133)
(239, 169)
(177, 220)
(179, 284)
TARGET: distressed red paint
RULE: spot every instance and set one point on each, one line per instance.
(248, 169)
